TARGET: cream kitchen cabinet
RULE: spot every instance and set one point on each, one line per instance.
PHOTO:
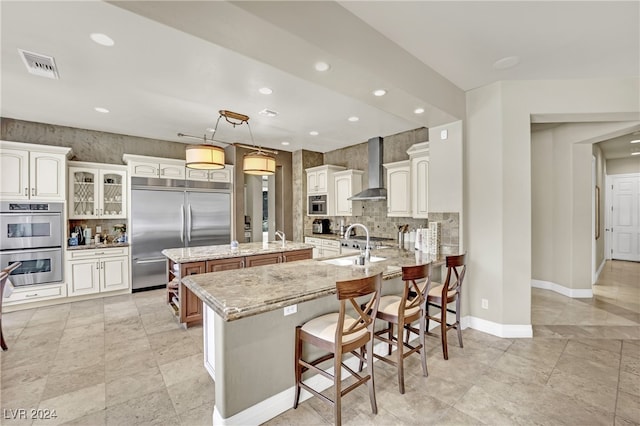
(346, 184)
(97, 270)
(32, 172)
(399, 189)
(220, 175)
(97, 191)
(319, 178)
(143, 166)
(419, 157)
(323, 247)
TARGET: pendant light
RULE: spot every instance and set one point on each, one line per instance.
(211, 157)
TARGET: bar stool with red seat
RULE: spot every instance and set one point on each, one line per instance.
(338, 333)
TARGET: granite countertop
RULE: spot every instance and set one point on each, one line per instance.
(97, 246)
(198, 254)
(336, 237)
(245, 292)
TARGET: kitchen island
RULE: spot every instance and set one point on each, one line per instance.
(249, 320)
(182, 262)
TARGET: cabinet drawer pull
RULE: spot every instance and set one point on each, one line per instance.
(31, 295)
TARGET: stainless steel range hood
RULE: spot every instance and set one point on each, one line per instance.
(375, 191)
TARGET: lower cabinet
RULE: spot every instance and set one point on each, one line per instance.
(97, 270)
(187, 306)
(323, 247)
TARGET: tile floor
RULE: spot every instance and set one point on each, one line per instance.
(124, 361)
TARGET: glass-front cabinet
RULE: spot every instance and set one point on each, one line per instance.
(97, 191)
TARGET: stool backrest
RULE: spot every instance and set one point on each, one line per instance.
(456, 268)
(414, 284)
(348, 291)
(9, 269)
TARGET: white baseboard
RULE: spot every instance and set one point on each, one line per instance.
(580, 293)
(507, 331)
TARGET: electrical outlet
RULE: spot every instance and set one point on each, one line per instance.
(485, 304)
(288, 310)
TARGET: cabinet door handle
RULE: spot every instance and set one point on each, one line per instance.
(96, 212)
(97, 265)
(284, 258)
(33, 191)
(242, 263)
(102, 265)
(26, 191)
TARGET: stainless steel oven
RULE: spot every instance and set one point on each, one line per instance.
(317, 205)
(30, 225)
(31, 233)
(39, 266)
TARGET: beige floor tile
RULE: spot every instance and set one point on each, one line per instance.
(66, 382)
(129, 387)
(603, 357)
(199, 416)
(588, 369)
(629, 383)
(189, 394)
(153, 408)
(523, 367)
(25, 395)
(84, 320)
(630, 365)
(589, 391)
(97, 418)
(172, 345)
(73, 405)
(620, 421)
(303, 415)
(129, 363)
(455, 417)
(628, 406)
(178, 370)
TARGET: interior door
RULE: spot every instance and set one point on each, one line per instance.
(208, 218)
(625, 218)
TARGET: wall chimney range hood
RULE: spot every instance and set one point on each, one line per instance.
(375, 191)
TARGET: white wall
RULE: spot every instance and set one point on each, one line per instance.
(498, 188)
(621, 166)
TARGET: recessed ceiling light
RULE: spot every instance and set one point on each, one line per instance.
(285, 143)
(102, 39)
(353, 119)
(314, 133)
(635, 153)
(418, 110)
(102, 110)
(265, 91)
(322, 66)
(379, 92)
(268, 113)
(635, 141)
(506, 63)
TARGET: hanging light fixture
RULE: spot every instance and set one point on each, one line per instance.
(210, 157)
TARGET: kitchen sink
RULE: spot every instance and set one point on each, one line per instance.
(349, 260)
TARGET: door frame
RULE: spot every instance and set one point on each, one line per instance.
(607, 213)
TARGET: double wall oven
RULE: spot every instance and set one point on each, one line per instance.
(31, 233)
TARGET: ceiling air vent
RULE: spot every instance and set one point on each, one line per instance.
(37, 64)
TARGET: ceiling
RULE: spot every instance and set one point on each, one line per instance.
(176, 63)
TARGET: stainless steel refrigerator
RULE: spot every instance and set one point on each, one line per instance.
(171, 214)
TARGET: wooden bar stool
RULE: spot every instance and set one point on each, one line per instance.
(339, 333)
(4, 276)
(440, 295)
(402, 311)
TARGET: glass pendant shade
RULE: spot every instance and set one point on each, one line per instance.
(205, 157)
(259, 163)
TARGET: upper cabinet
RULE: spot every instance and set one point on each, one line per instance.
(97, 190)
(319, 179)
(220, 175)
(32, 172)
(399, 189)
(346, 184)
(142, 166)
(419, 157)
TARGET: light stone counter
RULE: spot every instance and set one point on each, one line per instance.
(93, 246)
(241, 293)
(199, 254)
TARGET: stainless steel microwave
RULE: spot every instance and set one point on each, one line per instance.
(317, 205)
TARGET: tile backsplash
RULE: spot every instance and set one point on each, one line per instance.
(375, 218)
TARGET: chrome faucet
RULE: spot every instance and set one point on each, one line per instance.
(282, 237)
(367, 250)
